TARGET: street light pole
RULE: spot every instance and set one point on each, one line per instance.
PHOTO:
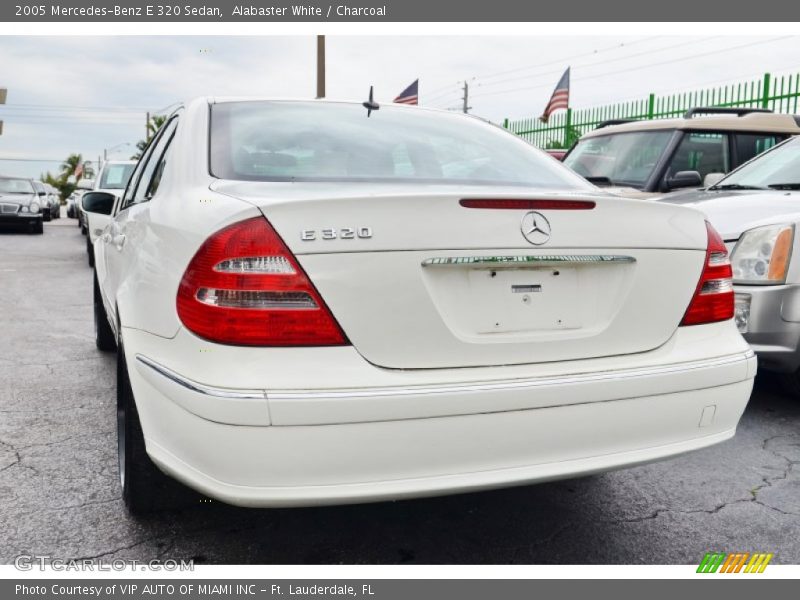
(320, 66)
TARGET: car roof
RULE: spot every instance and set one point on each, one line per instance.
(756, 121)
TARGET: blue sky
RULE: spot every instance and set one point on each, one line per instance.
(85, 93)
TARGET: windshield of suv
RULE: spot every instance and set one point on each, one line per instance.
(308, 141)
(116, 176)
(776, 169)
(15, 186)
(626, 159)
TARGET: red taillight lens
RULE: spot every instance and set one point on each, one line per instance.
(520, 204)
(713, 299)
(245, 287)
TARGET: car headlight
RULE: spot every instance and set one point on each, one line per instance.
(34, 207)
(762, 255)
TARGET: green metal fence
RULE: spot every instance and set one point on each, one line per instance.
(780, 94)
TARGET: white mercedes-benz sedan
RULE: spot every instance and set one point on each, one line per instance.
(320, 302)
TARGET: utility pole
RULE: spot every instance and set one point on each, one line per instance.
(147, 127)
(3, 94)
(466, 107)
(320, 66)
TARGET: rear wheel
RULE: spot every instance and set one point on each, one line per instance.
(144, 488)
(103, 334)
(90, 251)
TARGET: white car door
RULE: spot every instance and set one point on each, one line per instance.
(119, 240)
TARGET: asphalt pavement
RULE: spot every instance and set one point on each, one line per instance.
(60, 497)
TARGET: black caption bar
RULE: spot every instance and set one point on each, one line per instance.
(399, 11)
(730, 588)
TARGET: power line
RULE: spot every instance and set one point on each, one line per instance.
(575, 56)
(603, 62)
(41, 160)
(639, 68)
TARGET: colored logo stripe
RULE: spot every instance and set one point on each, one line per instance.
(735, 562)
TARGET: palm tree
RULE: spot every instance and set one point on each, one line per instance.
(69, 166)
(155, 123)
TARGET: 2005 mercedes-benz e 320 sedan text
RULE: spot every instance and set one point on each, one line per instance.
(319, 303)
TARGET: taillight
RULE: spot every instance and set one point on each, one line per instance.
(713, 298)
(245, 287)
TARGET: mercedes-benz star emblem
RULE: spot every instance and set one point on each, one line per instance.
(535, 228)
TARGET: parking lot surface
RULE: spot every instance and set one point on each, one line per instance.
(60, 495)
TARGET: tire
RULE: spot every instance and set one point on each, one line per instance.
(145, 489)
(89, 251)
(47, 216)
(38, 228)
(103, 334)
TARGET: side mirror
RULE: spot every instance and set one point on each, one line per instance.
(85, 184)
(684, 179)
(101, 203)
(713, 179)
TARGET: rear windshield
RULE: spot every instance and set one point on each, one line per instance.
(627, 159)
(307, 141)
(15, 186)
(115, 177)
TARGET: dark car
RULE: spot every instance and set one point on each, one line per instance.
(20, 204)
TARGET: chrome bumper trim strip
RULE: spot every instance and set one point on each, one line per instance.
(445, 389)
(199, 387)
(516, 383)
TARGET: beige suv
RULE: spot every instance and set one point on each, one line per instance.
(640, 159)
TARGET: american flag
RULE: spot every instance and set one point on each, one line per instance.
(410, 95)
(560, 97)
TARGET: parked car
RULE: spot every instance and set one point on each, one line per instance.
(314, 303)
(83, 186)
(757, 210)
(54, 201)
(20, 204)
(557, 153)
(44, 200)
(72, 204)
(641, 159)
(113, 177)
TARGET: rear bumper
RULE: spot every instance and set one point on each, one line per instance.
(773, 326)
(266, 445)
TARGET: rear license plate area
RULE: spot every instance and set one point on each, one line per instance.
(523, 300)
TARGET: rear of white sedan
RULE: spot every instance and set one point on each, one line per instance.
(317, 305)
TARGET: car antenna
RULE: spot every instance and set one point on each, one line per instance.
(370, 104)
